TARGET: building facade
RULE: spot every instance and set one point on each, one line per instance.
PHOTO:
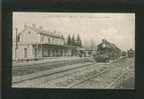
(35, 43)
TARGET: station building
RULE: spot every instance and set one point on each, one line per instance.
(34, 43)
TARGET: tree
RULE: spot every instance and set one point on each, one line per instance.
(78, 41)
(73, 41)
(69, 40)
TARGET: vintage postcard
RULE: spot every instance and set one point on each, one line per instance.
(73, 50)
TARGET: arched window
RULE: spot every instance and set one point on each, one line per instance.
(49, 40)
(25, 52)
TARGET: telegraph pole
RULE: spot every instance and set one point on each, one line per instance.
(16, 43)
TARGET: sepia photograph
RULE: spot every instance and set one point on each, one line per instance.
(73, 50)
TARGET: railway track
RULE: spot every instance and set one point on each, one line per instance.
(113, 82)
(52, 72)
(73, 77)
(120, 79)
(59, 74)
(29, 69)
(87, 79)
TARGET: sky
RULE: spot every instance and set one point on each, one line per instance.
(118, 28)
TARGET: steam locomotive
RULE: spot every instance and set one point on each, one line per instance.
(106, 51)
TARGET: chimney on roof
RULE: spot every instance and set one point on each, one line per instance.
(104, 40)
(40, 27)
(33, 25)
(25, 26)
(54, 32)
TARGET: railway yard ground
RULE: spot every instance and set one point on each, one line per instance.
(75, 72)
